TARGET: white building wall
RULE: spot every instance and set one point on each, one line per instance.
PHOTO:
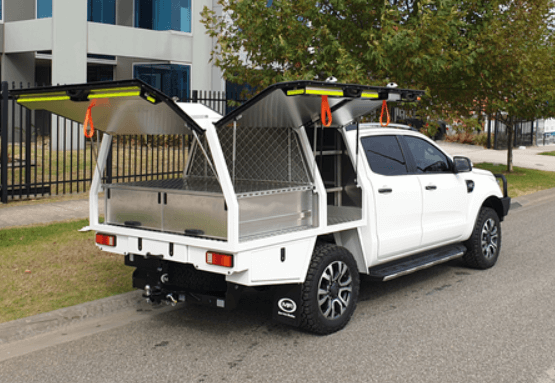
(69, 30)
(70, 38)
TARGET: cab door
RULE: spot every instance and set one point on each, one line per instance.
(397, 196)
(444, 194)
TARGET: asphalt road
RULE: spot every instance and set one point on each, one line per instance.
(445, 324)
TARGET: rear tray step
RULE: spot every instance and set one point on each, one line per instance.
(395, 269)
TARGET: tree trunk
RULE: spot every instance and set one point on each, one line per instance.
(510, 134)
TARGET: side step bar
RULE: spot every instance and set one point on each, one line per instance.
(395, 269)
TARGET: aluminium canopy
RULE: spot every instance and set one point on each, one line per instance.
(117, 107)
(298, 103)
(133, 107)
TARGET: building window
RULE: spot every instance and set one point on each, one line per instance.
(163, 15)
(102, 11)
(1, 3)
(97, 73)
(99, 11)
(44, 9)
(171, 79)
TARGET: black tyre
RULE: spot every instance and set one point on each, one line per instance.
(330, 292)
(485, 242)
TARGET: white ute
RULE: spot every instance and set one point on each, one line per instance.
(288, 191)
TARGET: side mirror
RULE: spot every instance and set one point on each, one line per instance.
(461, 164)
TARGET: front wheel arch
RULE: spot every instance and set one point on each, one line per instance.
(495, 204)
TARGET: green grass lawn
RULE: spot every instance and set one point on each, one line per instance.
(522, 181)
(547, 153)
(45, 268)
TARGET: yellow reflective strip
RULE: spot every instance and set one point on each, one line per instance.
(114, 89)
(325, 92)
(36, 99)
(151, 99)
(295, 92)
(49, 94)
(369, 95)
(111, 95)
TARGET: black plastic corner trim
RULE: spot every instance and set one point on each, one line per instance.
(79, 92)
(506, 202)
(502, 177)
(349, 91)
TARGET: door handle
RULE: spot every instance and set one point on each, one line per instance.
(385, 190)
(431, 187)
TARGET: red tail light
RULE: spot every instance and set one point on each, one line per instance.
(105, 239)
(224, 260)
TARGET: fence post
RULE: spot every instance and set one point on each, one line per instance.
(495, 141)
(28, 145)
(109, 166)
(195, 95)
(489, 132)
(4, 149)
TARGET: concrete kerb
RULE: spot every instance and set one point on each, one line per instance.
(39, 324)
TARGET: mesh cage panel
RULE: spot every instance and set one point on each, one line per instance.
(199, 166)
(200, 176)
(265, 158)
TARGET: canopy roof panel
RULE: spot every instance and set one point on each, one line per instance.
(298, 103)
(117, 107)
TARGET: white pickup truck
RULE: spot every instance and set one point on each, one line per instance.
(288, 192)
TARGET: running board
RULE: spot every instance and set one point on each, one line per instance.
(395, 269)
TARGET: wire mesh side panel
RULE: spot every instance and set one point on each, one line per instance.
(199, 173)
(265, 159)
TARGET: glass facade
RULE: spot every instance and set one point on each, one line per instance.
(1, 10)
(99, 11)
(171, 79)
(163, 15)
(44, 9)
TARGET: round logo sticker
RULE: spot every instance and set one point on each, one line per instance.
(287, 305)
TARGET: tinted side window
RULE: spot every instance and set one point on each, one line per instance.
(427, 157)
(384, 155)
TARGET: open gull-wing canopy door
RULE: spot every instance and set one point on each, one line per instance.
(117, 107)
(298, 103)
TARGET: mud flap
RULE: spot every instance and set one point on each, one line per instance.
(286, 307)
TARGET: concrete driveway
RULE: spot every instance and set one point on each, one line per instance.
(528, 157)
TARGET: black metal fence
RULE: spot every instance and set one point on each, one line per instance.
(498, 138)
(42, 154)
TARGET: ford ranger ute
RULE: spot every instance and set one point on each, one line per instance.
(290, 191)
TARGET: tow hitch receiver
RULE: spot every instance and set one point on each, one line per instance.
(170, 283)
(227, 301)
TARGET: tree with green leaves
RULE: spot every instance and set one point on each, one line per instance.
(472, 57)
